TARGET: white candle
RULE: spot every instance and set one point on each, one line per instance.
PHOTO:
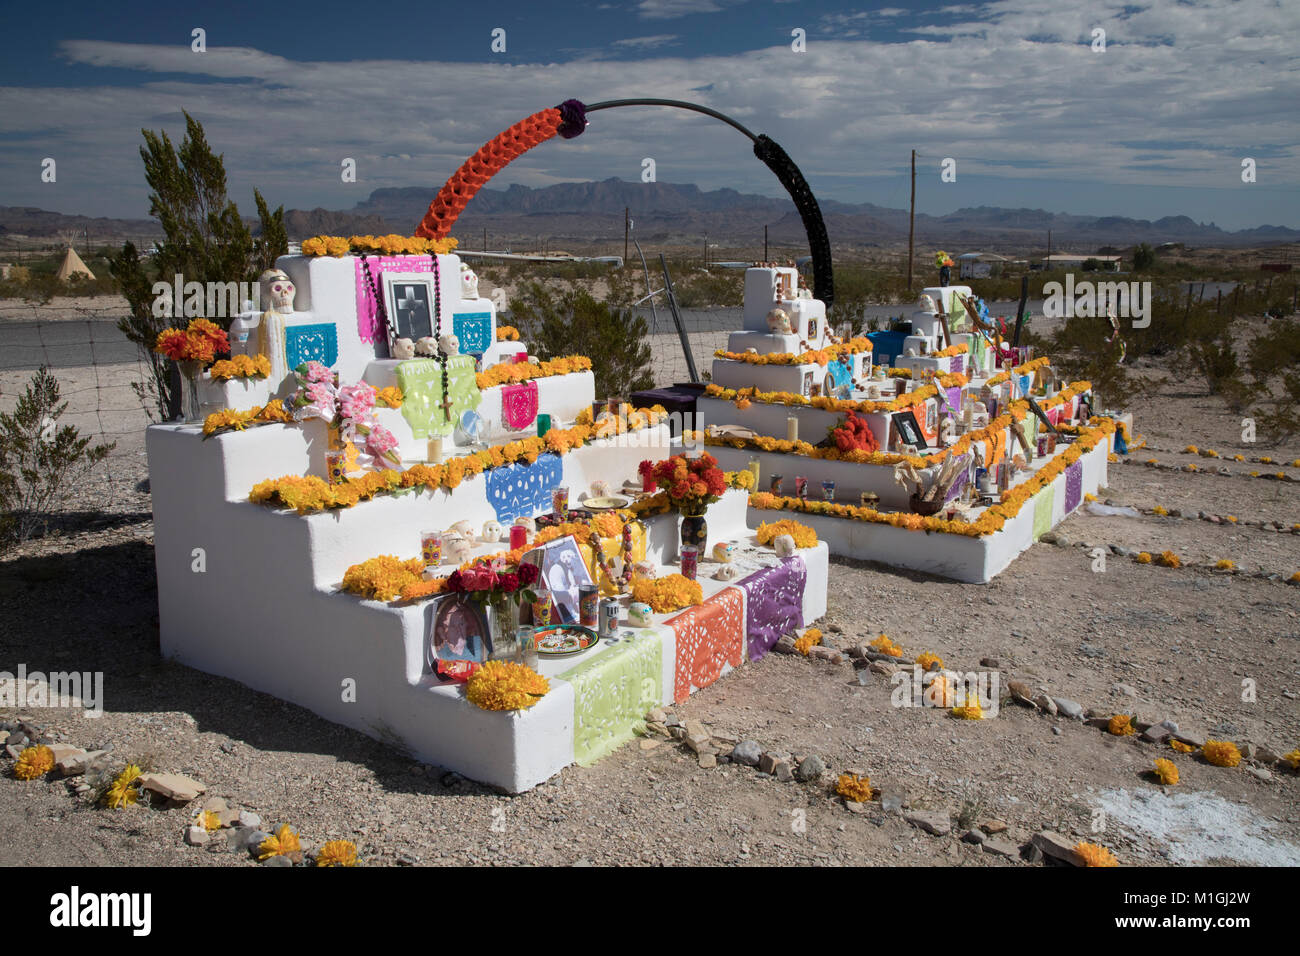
(434, 451)
(792, 428)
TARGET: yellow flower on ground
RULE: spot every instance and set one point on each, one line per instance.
(337, 853)
(885, 645)
(810, 639)
(1160, 510)
(209, 821)
(1293, 758)
(1121, 725)
(971, 710)
(503, 685)
(123, 792)
(1180, 747)
(853, 788)
(1094, 855)
(1166, 772)
(1226, 564)
(1170, 560)
(928, 661)
(34, 762)
(1191, 450)
(284, 843)
(1143, 558)
(1221, 753)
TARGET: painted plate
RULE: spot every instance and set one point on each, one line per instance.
(564, 640)
(610, 503)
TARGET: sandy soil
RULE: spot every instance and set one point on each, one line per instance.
(1180, 641)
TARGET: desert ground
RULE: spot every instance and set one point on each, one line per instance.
(1183, 644)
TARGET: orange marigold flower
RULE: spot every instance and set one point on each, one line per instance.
(1166, 772)
(34, 762)
(1094, 855)
(1121, 725)
(853, 788)
(1221, 753)
(928, 661)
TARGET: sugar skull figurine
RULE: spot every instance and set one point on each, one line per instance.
(778, 322)
(784, 545)
(449, 344)
(468, 282)
(491, 531)
(722, 552)
(455, 548)
(276, 289)
(600, 489)
(643, 569)
(464, 528)
(427, 346)
(527, 523)
(638, 614)
(403, 349)
(725, 572)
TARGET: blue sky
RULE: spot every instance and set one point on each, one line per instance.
(1155, 125)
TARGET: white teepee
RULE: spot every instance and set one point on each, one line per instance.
(72, 265)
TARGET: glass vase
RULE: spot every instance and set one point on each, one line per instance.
(190, 372)
(502, 621)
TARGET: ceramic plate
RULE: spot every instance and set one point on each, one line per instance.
(563, 640)
(611, 503)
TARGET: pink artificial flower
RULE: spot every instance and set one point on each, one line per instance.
(316, 372)
(356, 401)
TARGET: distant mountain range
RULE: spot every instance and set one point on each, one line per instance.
(683, 214)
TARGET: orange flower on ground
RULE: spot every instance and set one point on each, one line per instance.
(1143, 558)
(1221, 753)
(1170, 560)
(854, 788)
(1121, 725)
(33, 763)
(1180, 747)
(1094, 855)
(1166, 772)
(810, 639)
(928, 661)
(885, 645)
(337, 853)
(284, 843)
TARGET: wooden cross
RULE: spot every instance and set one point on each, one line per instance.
(446, 404)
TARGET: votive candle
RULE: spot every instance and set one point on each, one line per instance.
(792, 428)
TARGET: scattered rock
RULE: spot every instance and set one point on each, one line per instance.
(228, 747)
(657, 715)
(1056, 846)
(172, 786)
(249, 840)
(1021, 693)
(708, 761)
(993, 826)
(883, 668)
(12, 751)
(810, 769)
(858, 652)
(76, 764)
(990, 662)
(228, 818)
(783, 771)
(277, 861)
(1069, 708)
(249, 820)
(1002, 848)
(648, 743)
(973, 836)
(696, 729)
(1259, 773)
(891, 801)
(828, 654)
(215, 805)
(197, 836)
(699, 743)
(1056, 730)
(1191, 739)
(1045, 704)
(1155, 734)
(931, 821)
(1127, 690)
(407, 859)
(785, 645)
(747, 752)
(1091, 650)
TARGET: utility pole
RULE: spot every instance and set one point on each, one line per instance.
(911, 224)
(765, 244)
(706, 250)
(485, 238)
(1049, 248)
(627, 229)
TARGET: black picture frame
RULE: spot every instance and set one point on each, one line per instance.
(909, 429)
(409, 298)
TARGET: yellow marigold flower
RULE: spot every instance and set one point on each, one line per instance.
(1295, 578)
(209, 821)
(1180, 747)
(669, 593)
(1143, 558)
(1191, 450)
(928, 661)
(1232, 519)
(284, 843)
(1221, 753)
(1293, 758)
(810, 639)
(1160, 510)
(34, 762)
(1094, 855)
(1266, 460)
(382, 578)
(503, 685)
(1121, 725)
(337, 853)
(1225, 564)
(1209, 453)
(853, 788)
(1166, 772)
(804, 536)
(1238, 457)
(971, 710)
(1170, 560)
(885, 645)
(123, 792)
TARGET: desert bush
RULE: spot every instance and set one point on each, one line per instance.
(1274, 363)
(40, 461)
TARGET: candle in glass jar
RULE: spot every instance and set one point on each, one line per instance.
(518, 537)
(434, 451)
(753, 468)
(792, 428)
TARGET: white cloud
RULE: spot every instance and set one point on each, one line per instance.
(647, 43)
(672, 9)
(1005, 105)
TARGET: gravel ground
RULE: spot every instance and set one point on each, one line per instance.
(1180, 641)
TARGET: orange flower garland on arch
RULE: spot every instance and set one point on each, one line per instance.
(491, 158)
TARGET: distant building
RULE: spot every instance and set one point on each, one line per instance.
(5, 269)
(981, 265)
(1070, 260)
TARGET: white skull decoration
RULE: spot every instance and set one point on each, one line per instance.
(449, 344)
(468, 282)
(778, 322)
(427, 345)
(491, 531)
(726, 572)
(927, 304)
(722, 552)
(455, 548)
(403, 349)
(463, 528)
(527, 523)
(276, 289)
(638, 614)
(784, 545)
(600, 488)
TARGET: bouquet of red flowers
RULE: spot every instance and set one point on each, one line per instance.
(691, 483)
(647, 472)
(854, 434)
(496, 582)
(201, 341)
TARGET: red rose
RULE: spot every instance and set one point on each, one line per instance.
(477, 579)
(508, 581)
(528, 574)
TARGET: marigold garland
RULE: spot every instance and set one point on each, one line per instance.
(804, 536)
(1166, 772)
(810, 639)
(672, 592)
(508, 373)
(391, 245)
(854, 788)
(1094, 855)
(1221, 753)
(1121, 725)
(273, 412)
(240, 366)
(503, 685)
(123, 791)
(34, 762)
(812, 356)
(507, 333)
(382, 578)
(337, 853)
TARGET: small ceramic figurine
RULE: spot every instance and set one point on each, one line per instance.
(638, 614)
(426, 345)
(600, 489)
(534, 360)
(448, 344)
(455, 548)
(527, 523)
(491, 531)
(403, 349)
(464, 528)
(722, 552)
(468, 282)
(784, 545)
(644, 569)
(778, 322)
(276, 293)
(727, 572)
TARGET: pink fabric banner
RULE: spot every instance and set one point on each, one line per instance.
(368, 325)
(519, 404)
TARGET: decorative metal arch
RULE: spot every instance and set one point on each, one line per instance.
(569, 120)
